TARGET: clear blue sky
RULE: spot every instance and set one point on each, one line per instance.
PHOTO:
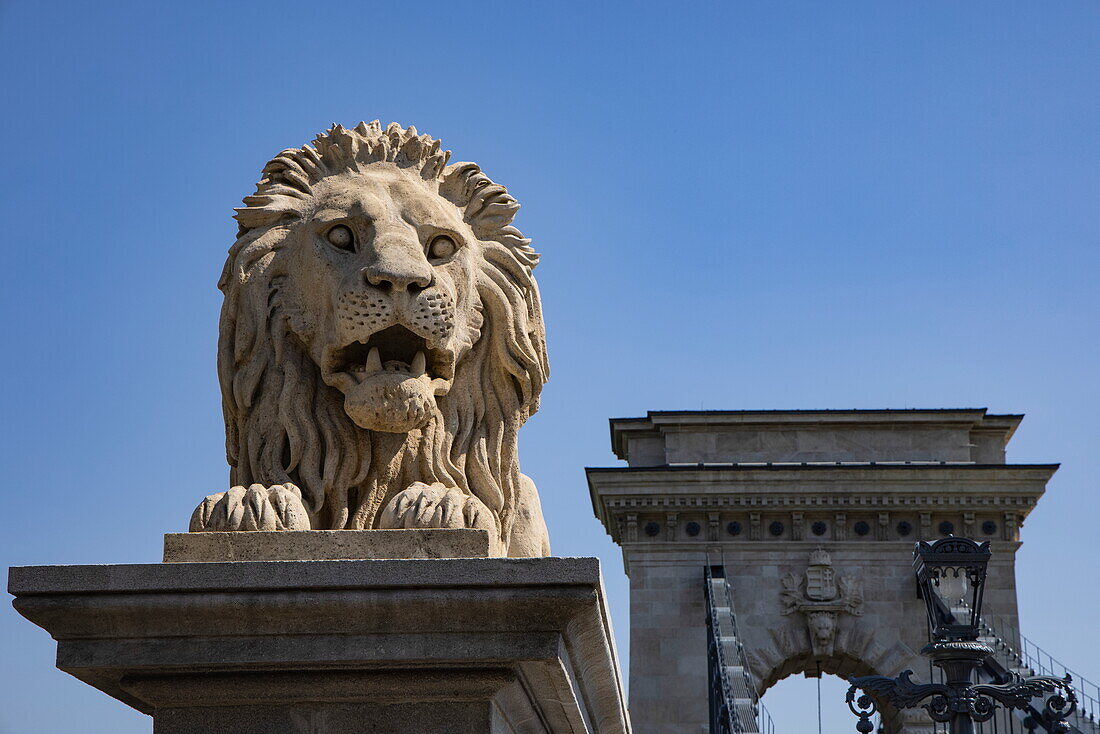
(740, 205)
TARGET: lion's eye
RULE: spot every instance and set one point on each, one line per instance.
(340, 236)
(442, 246)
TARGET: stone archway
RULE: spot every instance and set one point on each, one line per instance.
(802, 611)
(845, 647)
(816, 621)
(770, 496)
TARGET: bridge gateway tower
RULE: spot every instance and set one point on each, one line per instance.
(811, 517)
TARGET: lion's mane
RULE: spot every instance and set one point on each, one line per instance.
(284, 424)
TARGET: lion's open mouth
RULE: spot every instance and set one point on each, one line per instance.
(395, 349)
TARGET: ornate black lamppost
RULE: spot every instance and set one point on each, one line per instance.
(949, 571)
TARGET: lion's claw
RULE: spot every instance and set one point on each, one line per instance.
(436, 506)
(278, 507)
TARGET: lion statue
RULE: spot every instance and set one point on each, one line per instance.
(381, 344)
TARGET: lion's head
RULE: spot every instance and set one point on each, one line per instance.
(381, 326)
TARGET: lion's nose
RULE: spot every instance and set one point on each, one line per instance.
(389, 276)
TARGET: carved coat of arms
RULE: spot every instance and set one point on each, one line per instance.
(821, 581)
(820, 595)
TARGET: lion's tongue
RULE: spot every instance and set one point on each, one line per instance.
(394, 402)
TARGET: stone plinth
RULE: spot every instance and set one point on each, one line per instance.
(325, 545)
(341, 647)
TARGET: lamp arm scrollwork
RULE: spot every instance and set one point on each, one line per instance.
(1017, 692)
(900, 692)
(944, 701)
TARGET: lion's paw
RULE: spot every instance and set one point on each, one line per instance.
(278, 507)
(436, 506)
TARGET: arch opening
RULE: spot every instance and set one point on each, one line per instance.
(800, 703)
(803, 690)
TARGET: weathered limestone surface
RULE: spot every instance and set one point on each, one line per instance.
(325, 545)
(813, 515)
(341, 647)
(381, 343)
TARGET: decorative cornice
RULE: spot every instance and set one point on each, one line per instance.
(969, 487)
(868, 502)
(822, 466)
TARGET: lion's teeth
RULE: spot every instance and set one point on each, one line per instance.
(419, 364)
(374, 361)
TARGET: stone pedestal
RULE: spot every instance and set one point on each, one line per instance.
(339, 647)
(325, 545)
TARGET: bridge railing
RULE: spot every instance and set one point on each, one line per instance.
(735, 707)
(1018, 649)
